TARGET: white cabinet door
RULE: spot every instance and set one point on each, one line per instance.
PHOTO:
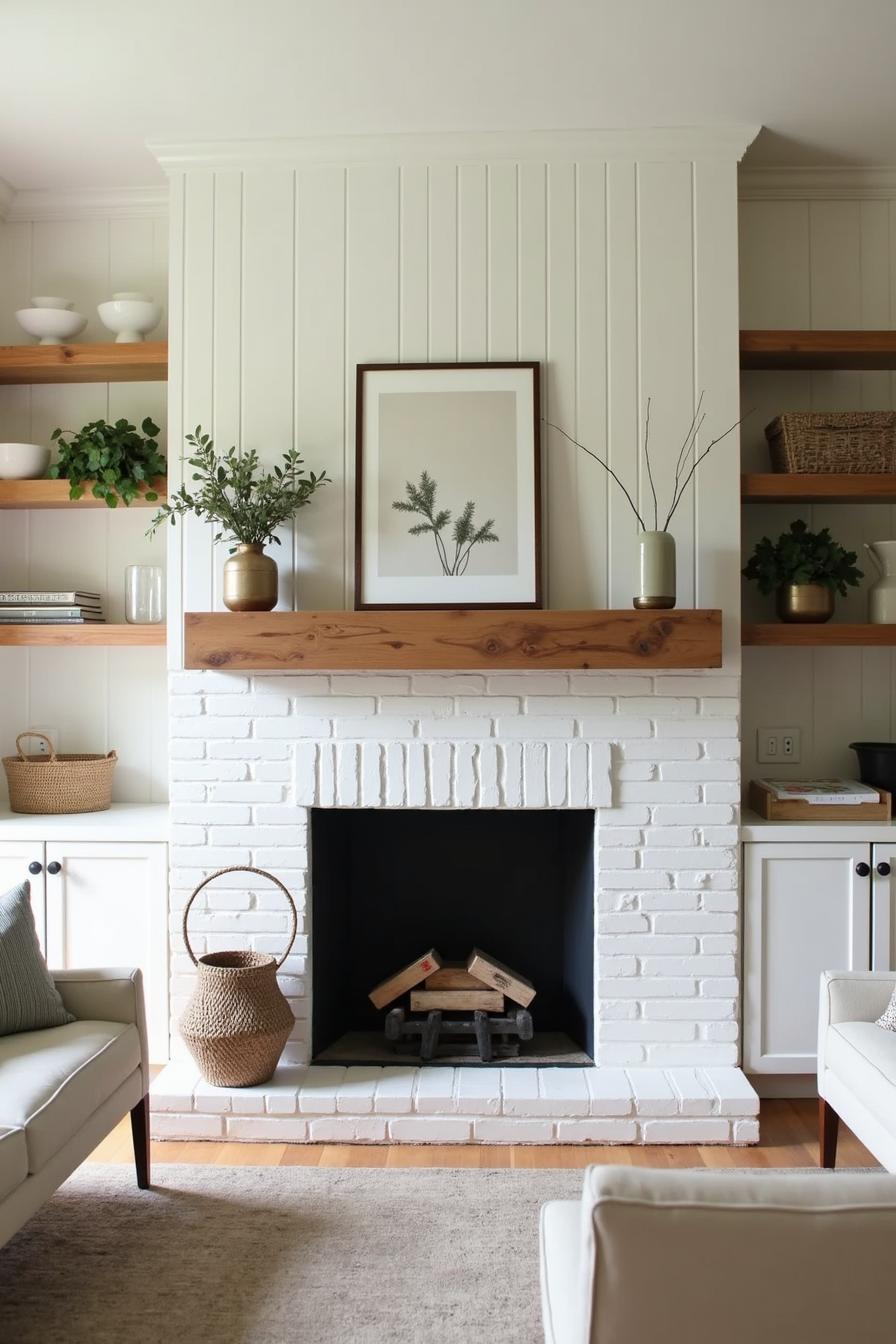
(806, 910)
(17, 857)
(883, 907)
(106, 906)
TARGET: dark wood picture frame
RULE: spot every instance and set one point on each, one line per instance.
(362, 370)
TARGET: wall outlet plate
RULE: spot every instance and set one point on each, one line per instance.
(778, 746)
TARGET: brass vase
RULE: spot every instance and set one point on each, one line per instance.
(804, 603)
(250, 579)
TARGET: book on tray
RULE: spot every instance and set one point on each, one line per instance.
(820, 791)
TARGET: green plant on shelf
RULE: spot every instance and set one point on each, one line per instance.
(117, 460)
(800, 556)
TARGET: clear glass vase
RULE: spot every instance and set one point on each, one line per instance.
(143, 592)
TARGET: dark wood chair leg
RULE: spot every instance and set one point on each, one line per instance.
(140, 1133)
(828, 1129)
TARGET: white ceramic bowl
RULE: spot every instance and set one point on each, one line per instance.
(52, 326)
(23, 461)
(50, 301)
(131, 319)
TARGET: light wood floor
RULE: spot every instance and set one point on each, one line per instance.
(788, 1130)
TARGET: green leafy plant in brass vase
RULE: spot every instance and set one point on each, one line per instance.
(804, 570)
(248, 505)
(117, 462)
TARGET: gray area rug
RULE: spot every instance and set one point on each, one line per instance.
(281, 1255)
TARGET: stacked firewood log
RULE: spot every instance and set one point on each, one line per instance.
(480, 987)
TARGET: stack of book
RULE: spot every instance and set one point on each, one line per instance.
(822, 792)
(24, 607)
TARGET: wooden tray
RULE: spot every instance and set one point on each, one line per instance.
(794, 809)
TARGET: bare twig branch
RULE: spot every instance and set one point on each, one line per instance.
(656, 521)
(697, 460)
(606, 466)
(694, 430)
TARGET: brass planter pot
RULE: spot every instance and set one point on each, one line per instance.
(250, 579)
(804, 603)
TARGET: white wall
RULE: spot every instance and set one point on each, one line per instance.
(96, 698)
(824, 262)
(611, 258)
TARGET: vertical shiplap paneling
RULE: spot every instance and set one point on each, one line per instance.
(666, 343)
(268, 327)
(371, 307)
(716, 494)
(563, 546)
(503, 184)
(472, 256)
(532, 318)
(227, 331)
(592, 484)
(198, 361)
(443, 247)
(413, 317)
(320, 380)
(623, 418)
(177, 560)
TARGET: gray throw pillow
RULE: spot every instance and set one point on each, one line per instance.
(29, 1000)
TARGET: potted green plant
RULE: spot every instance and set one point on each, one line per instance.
(803, 569)
(249, 505)
(119, 460)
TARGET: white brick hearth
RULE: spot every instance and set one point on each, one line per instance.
(655, 755)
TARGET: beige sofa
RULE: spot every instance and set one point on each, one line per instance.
(856, 1063)
(699, 1257)
(62, 1090)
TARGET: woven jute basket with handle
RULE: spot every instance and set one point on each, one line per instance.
(52, 785)
(237, 1022)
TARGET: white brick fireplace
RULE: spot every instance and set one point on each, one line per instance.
(656, 757)
(610, 257)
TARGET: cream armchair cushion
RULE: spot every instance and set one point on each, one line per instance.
(699, 1257)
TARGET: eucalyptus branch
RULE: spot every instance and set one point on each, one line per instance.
(606, 466)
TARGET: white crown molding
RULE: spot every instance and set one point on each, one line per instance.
(6, 197)
(88, 203)
(661, 144)
(808, 184)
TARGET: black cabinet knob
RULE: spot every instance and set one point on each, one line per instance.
(54, 868)
(35, 868)
(883, 869)
(861, 868)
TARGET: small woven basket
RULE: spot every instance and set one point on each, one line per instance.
(53, 784)
(844, 442)
(237, 1022)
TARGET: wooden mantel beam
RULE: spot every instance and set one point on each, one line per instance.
(468, 640)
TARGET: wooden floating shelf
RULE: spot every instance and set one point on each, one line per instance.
(104, 362)
(818, 349)
(54, 495)
(803, 488)
(778, 635)
(457, 640)
(94, 636)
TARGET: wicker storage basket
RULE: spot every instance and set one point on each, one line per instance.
(833, 441)
(237, 1022)
(58, 784)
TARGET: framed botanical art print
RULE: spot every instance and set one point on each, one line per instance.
(447, 486)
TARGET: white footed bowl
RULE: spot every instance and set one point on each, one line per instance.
(52, 326)
(130, 319)
(23, 461)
